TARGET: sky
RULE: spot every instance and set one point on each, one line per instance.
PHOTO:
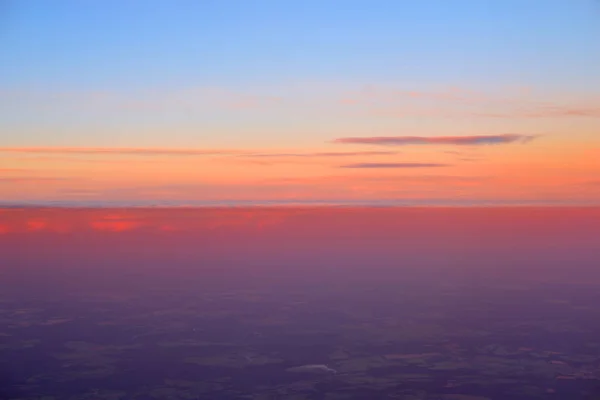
(280, 245)
(436, 102)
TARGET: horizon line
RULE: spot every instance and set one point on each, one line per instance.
(295, 203)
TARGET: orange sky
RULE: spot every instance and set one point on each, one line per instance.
(541, 169)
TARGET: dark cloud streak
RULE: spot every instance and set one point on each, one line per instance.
(476, 140)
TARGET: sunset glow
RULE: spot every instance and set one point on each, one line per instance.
(300, 199)
(279, 115)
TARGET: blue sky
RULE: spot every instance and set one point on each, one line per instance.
(265, 47)
(84, 45)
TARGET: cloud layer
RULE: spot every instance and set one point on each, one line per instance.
(476, 140)
(394, 165)
(323, 154)
(141, 151)
(32, 179)
(131, 151)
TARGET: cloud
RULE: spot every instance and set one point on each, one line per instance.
(385, 179)
(36, 225)
(373, 94)
(89, 154)
(114, 226)
(27, 179)
(269, 159)
(323, 154)
(394, 165)
(75, 159)
(133, 151)
(547, 111)
(476, 140)
(374, 100)
(4, 170)
(454, 101)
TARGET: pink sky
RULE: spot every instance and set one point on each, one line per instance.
(524, 242)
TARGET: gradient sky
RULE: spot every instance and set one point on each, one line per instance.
(423, 102)
(324, 244)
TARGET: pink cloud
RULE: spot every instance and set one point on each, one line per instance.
(545, 111)
(520, 103)
(36, 225)
(114, 226)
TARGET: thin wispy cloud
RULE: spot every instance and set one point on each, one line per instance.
(11, 170)
(394, 165)
(380, 94)
(475, 140)
(385, 179)
(550, 111)
(65, 153)
(375, 100)
(131, 151)
(519, 103)
(74, 158)
(322, 154)
(32, 179)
